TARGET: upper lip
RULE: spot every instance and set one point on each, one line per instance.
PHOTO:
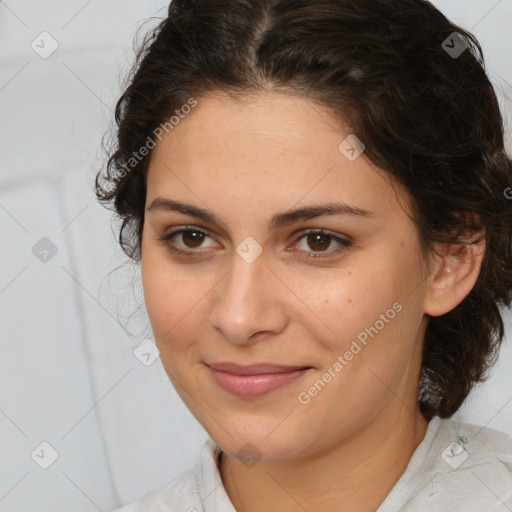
(254, 369)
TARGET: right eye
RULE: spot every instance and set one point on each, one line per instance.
(192, 238)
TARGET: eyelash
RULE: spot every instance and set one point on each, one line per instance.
(344, 243)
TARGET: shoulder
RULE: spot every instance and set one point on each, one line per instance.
(483, 445)
(468, 468)
(188, 491)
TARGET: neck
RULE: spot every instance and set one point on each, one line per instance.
(359, 472)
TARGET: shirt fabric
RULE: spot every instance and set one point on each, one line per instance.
(457, 467)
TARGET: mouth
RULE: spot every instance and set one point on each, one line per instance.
(255, 380)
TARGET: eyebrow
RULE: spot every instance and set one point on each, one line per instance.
(279, 220)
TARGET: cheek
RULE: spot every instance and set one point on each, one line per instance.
(375, 350)
(173, 297)
(366, 315)
(364, 364)
(336, 307)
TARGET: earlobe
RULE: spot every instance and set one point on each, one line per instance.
(453, 277)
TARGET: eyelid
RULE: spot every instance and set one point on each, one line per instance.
(184, 229)
(343, 241)
(306, 231)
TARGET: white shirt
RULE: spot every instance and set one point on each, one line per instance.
(443, 475)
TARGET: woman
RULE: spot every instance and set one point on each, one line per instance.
(317, 194)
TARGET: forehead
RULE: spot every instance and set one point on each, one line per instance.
(276, 149)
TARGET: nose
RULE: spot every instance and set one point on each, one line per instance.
(249, 302)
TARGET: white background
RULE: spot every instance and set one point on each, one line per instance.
(68, 375)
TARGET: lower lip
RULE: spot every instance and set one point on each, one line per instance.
(255, 385)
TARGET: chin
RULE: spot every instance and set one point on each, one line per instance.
(257, 446)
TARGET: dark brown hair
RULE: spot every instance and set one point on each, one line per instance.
(428, 116)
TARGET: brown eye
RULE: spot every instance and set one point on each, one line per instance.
(319, 241)
(192, 239)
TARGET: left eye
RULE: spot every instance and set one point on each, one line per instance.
(321, 240)
(317, 239)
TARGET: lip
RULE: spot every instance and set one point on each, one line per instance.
(255, 380)
(254, 369)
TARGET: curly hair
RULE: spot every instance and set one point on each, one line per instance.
(410, 84)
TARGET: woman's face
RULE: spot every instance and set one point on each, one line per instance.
(254, 288)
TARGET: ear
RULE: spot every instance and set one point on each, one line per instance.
(454, 274)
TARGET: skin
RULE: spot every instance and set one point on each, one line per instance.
(244, 162)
